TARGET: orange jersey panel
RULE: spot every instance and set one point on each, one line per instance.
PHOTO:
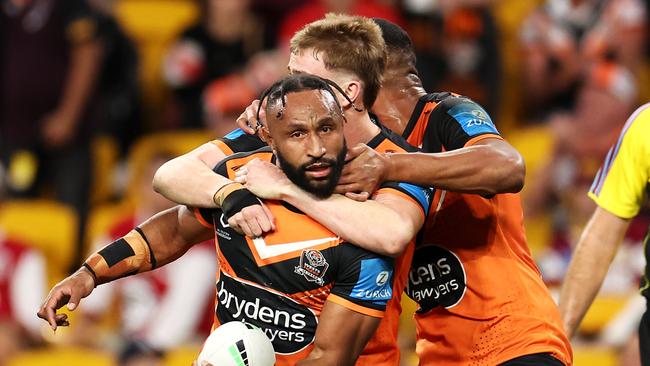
(481, 298)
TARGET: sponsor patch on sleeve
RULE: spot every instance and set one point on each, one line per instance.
(234, 134)
(473, 119)
(375, 281)
(421, 194)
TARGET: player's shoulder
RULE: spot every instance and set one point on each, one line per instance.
(388, 141)
(443, 101)
(465, 113)
(234, 161)
(639, 121)
(451, 106)
(432, 104)
(457, 106)
(636, 130)
(238, 141)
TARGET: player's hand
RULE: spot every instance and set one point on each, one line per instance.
(263, 179)
(70, 291)
(247, 121)
(58, 129)
(252, 221)
(363, 172)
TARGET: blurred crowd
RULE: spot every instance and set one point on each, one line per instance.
(96, 94)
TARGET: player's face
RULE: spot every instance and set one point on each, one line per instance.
(307, 136)
(308, 62)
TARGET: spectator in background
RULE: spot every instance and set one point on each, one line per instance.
(219, 99)
(273, 12)
(21, 268)
(51, 52)
(224, 98)
(226, 37)
(222, 104)
(564, 38)
(582, 138)
(154, 303)
(118, 94)
(456, 43)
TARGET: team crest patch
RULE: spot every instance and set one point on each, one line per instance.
(312, 266)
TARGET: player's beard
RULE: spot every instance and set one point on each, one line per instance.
(299, 177)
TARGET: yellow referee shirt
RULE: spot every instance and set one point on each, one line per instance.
(621, 185)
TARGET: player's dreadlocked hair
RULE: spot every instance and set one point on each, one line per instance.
(297, 83)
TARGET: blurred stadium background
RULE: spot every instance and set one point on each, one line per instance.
(95, 94)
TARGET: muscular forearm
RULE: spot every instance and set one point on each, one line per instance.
(479, 169)
(370, 224)
(189, 179)
(591, 259)
(173, 232)
(158, 241)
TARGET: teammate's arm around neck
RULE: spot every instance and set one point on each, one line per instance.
(384, 225)
(189, 179)
(491, 166)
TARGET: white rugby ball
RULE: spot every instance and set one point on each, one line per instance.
(237, 344)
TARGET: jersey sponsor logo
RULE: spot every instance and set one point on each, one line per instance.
(382, 278)
(375, 280)
(312, 266)
(224, 224)
(289, 325)
(437, 278)
(473, 119)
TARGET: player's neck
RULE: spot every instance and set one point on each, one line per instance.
(359, 128)
(396, 103)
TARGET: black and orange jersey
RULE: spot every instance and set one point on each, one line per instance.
(280, 282)
(447, 121)
(238, 141)
(382, 349)
(481, 298)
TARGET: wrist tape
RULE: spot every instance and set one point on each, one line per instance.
(225, 190)
(126, 256)
(237, 201)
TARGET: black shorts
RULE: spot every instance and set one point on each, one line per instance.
(537, 359)
(644, 339)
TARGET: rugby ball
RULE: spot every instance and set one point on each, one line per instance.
(237, 343)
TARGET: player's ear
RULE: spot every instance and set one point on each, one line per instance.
(264, 134)
(352, 89)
